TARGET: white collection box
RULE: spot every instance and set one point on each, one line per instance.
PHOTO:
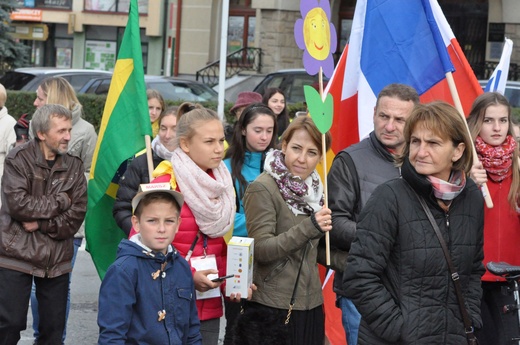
(240, 264)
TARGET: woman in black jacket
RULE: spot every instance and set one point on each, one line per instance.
(396, 271)
(137, 172)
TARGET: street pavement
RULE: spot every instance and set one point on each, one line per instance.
(82, 326)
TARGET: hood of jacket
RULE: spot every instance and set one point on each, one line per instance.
(76, 113)
(135, 247)
(3, 112)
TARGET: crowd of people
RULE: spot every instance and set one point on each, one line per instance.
(404, 207)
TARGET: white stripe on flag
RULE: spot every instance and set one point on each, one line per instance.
(329, 274)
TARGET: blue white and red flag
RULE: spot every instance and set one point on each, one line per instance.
(395, 41)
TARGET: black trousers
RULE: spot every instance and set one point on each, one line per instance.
(232, 312)
(15, 291)
(498, 328)
(263, 325)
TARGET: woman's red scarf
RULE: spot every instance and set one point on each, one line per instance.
(497, 160)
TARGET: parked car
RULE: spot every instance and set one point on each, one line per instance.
(29, 78)
(512, 92)
(290, 81)
(171, 88)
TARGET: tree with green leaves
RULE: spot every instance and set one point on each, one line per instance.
(12, 52)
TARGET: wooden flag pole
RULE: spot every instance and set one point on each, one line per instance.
(458, 105)
(149, 158)
(324, 164)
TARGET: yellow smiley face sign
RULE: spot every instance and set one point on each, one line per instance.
(316, 33)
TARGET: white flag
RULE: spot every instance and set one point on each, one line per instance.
(498, 79)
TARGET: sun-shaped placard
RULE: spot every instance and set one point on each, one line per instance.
(316, 36)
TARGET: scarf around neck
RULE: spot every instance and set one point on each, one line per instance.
(448, 190)
(497, 160)
(160, 149)
(212, 201)
(301, 196)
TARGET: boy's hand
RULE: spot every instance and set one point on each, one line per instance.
(202, 283)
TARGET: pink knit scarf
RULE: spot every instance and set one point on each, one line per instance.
(212, 201)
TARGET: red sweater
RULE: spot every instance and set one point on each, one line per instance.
(501, 229)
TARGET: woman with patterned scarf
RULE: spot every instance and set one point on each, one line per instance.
(492, 130)
(286, 217)
(396, 272)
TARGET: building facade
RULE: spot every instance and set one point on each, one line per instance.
(180, 37)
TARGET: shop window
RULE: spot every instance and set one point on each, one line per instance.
(241, 26)
(121, 6)
(241, 32)
(344, 33)
(346, 14)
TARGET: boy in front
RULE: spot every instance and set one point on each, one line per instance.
(148, 295)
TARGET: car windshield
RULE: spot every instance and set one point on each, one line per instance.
(15, 80)
(512, 92)
(184, 91)
(513, 95)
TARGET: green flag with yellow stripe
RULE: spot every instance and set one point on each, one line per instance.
(125, 122)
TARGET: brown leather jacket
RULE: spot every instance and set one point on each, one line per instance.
(55, 197)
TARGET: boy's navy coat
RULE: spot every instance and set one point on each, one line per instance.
(130, 299)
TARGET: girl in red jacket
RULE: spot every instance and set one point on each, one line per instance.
(492, 130)
(208, 211)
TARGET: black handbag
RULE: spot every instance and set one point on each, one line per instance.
(468, 328)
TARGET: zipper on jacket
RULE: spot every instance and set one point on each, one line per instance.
(46, 178)
(275, 271)
(48, 263)
(162, 313)
(47, 267)
(450, 283)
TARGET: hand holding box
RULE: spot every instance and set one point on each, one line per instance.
(240, 263)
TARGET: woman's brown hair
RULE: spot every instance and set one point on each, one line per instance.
(306, 123)
(445, 121)
(475, 121)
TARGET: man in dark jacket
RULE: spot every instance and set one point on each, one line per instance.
(44, 198)
(357, 171)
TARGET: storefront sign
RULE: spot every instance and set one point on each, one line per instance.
(35, 32)
(27, 15)
(100, 55)
(63, 4)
